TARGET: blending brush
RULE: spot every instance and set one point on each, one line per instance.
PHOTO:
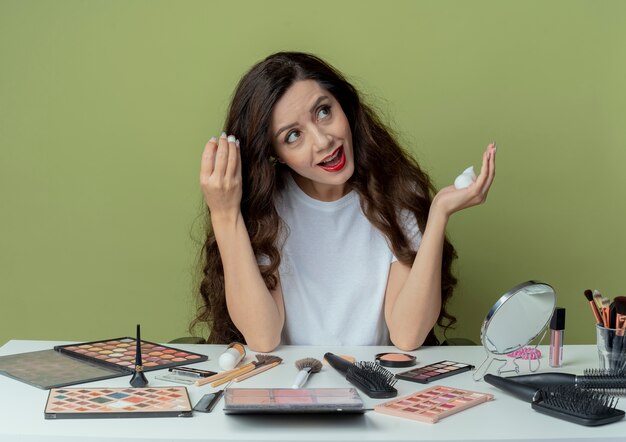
(306, 367)
(563, 401)
(605, 381)
(369, 377)
(597, 299)
(617, 357)
(594, 308)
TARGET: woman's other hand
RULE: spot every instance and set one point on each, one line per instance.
(220, 176)
(450, 199)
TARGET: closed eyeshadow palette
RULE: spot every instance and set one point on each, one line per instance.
(86, 403)
(288, 401)
(434, 372)
(91, 361)
(433, 404)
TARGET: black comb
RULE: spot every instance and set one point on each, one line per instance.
(369, 377)
(565, 402)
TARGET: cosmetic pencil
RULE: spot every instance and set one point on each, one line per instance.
(592, 305)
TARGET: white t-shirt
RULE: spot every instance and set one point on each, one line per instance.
(334, 270)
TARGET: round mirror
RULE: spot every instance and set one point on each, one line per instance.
(518, 317)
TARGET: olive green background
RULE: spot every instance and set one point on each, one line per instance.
(105, 107)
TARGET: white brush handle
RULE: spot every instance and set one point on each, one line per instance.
(301, 378)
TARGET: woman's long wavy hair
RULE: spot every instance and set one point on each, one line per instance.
(386, 178)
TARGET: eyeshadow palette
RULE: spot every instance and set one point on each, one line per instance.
(120, 353)
(84, 403)
(288, 401)
(92, 361)
(433, 404)
(434, 372)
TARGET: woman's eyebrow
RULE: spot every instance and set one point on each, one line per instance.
(311, 110)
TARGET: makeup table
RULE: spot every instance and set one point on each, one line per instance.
(505, 418)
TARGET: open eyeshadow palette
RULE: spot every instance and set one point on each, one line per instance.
(434, 372)
(91, 361)
(433, 404)
(84, 403)
(289, 401)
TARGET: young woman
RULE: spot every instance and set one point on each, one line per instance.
(323, 230)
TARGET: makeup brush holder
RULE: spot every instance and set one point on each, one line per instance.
(611, 348)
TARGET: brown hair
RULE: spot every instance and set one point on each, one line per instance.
(387, 179)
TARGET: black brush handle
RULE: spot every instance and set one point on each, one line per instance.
(616, 351)
(521, 391)
(544, 379)
(338, 363)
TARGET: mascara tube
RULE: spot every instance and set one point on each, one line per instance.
(557, 329)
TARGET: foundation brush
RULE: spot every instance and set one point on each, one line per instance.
(306, 367)
(369, 377)
(564, 402)
(612, 382)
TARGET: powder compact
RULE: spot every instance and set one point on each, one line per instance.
(397, 360)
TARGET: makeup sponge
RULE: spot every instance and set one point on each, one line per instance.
(465, 179)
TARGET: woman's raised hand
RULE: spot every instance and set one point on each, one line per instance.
(220, 176)
(450, 199)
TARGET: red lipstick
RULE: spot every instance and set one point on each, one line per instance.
(339, 164)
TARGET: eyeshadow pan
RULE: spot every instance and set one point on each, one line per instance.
(434, 372)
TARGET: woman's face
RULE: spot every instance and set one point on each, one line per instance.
(312, 136)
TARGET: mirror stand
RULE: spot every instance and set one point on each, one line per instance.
(491, 358)
(518, 318)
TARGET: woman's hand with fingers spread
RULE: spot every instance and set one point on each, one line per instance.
(220, 176)
(450, 199)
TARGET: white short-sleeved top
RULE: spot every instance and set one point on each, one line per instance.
(333, 271)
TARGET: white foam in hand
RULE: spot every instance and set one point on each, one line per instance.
(465, 179)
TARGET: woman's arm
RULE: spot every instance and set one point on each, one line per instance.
(413, 295)
(257, 312)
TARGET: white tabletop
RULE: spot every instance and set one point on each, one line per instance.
(504, 418)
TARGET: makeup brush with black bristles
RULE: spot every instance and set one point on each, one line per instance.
(369, 377)
(139, 378)
(565, 402)
(604, 381)
(306, 367)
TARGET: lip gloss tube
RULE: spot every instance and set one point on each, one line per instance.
(557, 329)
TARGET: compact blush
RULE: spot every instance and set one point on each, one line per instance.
(434, 372)
(397, 360)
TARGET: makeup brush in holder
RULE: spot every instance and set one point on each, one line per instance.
(139, 378)
(306, 367)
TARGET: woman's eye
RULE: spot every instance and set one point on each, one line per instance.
(324, 112)
(292, 136)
